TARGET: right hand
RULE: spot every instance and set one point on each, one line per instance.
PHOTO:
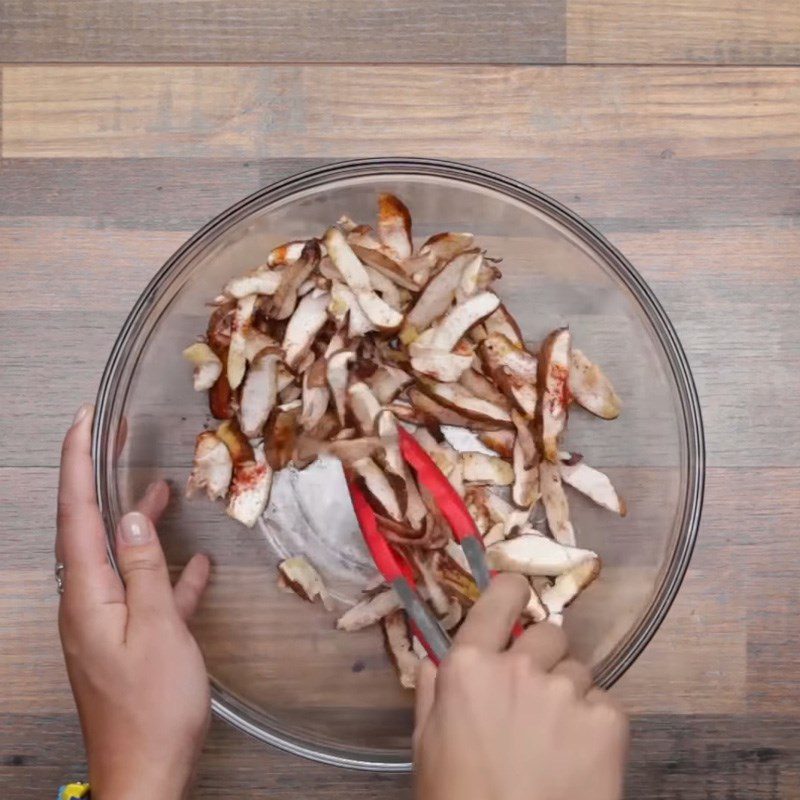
(514, 723)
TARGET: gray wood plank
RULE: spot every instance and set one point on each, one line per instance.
(446, 31)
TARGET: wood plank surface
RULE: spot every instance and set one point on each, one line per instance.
(683, 31)
(445, 31)
(694, 172)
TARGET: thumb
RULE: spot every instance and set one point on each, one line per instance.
(143, 567)
(426, 686)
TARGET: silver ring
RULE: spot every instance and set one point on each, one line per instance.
(59, 573)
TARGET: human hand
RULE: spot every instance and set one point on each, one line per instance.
(521, 723)
(136, 672)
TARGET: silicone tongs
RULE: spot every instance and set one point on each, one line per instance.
(395, 567)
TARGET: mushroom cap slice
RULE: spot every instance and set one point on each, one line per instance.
(440, 365)
(292, 278)
(460, 399)
(378, 489)
(482, 387)
(306, 322)
(297, 575)
(240, 449)
(553, 391)
(443, 246)
(495, 534)
(437, 295)
(207, 366)
(237, 358)
(364, 406)
(286, 253)
(501, 441)
(379, 312)
(591, 388)
(480, 468)
(513, 369)
(569, 585)
(397, 638)
(500, 321)
(526, 489)
(344, 302)
(280, 436)
(381, 260)
(591, 482)
(387, 382)
(212, 468)
(369, 611)
(257, 281)
(462, 317)
(259, 392)
(353, 272)
(316, 394)
(338, 375)
(534, 554)
(250, 489)
(555, 503)
(427, 407)
(394, 226)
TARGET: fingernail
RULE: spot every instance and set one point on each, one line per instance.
(81, 413)
(136, 529)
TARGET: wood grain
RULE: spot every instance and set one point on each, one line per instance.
(510, 31)
(683, 31)
(468, 112)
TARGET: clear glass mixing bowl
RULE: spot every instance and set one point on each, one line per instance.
(279, 669)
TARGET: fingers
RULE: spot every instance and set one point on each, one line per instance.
(191, 584)
(81, 538)
(425, 693)
(544, 644)
(143, 568)
(155, 500)
(578, 673)
(489, 623)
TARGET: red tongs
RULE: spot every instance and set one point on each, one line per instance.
(396, 569)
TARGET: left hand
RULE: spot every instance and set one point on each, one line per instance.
(137, 674)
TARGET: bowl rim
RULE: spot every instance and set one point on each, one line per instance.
(671, 575)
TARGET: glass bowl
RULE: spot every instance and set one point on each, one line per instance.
(279, 669)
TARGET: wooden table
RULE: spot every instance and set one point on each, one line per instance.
(672, 126)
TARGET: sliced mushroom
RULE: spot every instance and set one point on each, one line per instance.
(555, 503)
(307, 320)
(297, 575)
(437, 295)
(591, 388)
(369, 611)
(250, 488)
(220, 323)
(343, 306)
(569, 585)
(428, 407)
(435, 252)
(387, 382)
(212, 467)
(286, 253)
(338, 342)
(513, 369)
(280, 436)
(385, 287)
(399, 649)
(285, 298)
(255, 342)
(495, 534)
(461, 318)
(316, 394)
(259, 392)
(501, 441)
(455, 580)
(534, 554)
(364, 406)
(378, 489)
(440, 365)
(258, 281)
(379, 257)
(553, 390)
(394, 226)
(207, 366)
(591, 482)
(477, 383)
(526, 488)
(535, 609)
(338, 375)
(240, 449)
(237, 360)
(436, 594)
(355, 275)
(220, 396)
(513, 519)
(414, 507)
(500, 321)
(476, 501)
(460, 399)
(481, 468)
